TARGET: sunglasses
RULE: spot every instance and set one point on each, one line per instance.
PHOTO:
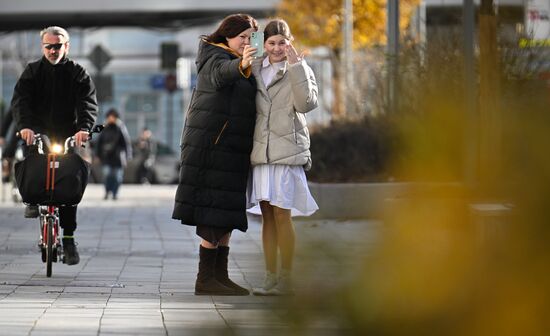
(55, 46)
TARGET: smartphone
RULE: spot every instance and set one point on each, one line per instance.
(257, 41)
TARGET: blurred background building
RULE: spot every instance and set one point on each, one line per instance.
(443, 18)
(141, 53)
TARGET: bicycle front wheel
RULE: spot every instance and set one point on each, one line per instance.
(49, 246)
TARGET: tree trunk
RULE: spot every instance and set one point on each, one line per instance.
(338, 78)
(489, 97)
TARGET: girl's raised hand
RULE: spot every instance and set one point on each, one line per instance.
(292, 55)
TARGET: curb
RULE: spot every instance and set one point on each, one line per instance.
(369, 200)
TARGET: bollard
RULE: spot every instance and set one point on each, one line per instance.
(490, 221)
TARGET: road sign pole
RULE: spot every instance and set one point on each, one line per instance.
(393, 53)
(3, 195)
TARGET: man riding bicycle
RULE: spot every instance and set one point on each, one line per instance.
(55, 96)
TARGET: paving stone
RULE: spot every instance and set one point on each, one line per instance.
(138, 269)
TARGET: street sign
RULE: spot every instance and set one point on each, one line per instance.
(538, 19)
(157, 82)
(99, 57)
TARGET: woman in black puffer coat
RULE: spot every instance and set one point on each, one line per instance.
(215, 149)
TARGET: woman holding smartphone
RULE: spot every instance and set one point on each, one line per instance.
(215, 150)
(286, 91)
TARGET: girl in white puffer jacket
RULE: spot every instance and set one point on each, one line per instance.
(286, 91)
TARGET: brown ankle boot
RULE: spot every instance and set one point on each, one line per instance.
(206, 283)
(221, 272)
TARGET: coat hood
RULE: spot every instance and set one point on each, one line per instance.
(207, 49)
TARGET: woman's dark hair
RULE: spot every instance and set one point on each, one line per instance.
(112, 112)
(277, 27)
(232, 26)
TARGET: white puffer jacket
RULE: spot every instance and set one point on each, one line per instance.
(281, 135)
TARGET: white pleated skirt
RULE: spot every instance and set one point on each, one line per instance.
(283, 186)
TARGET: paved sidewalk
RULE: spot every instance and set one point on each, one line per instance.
(137, 272)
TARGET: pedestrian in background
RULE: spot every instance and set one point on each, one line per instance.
(113, 149)
(286, 91)
(5, 126)
(215, 150)
(146, 152)
(8, 143)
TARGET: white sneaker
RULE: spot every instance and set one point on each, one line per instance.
(270, 281)
(284, 285)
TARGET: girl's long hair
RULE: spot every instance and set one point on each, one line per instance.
(277, 27)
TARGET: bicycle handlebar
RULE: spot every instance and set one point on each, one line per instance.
(38, 139)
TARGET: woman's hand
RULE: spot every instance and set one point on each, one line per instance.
(248, 56)
(292, 55)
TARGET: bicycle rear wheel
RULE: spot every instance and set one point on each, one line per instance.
(49, 246)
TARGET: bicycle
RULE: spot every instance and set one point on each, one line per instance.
(49, 242)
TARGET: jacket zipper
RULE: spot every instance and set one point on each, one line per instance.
(269, 131)
(52, 107)
(221, 132)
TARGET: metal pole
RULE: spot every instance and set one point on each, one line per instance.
(2, 80)
(393, 51)
(2, 105)
(1, 122)
(3, 199)
(348, 54)
(170, 121)
(490, 119)
(470, 115)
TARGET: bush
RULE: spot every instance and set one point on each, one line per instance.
(353, 151)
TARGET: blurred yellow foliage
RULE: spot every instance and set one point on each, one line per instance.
(319, 23)
(452, 258)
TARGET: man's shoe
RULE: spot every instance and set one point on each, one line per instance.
(43, 254)
(31, 211)
(70, 253)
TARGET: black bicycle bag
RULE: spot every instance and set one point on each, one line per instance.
(63, 184)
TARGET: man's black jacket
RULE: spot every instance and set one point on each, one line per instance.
(6, 124)
(56, 100)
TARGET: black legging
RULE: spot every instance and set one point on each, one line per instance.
(67, 219)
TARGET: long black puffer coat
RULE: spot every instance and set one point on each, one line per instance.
(216, 143)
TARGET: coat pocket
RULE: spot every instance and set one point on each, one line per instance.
(221, 132)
